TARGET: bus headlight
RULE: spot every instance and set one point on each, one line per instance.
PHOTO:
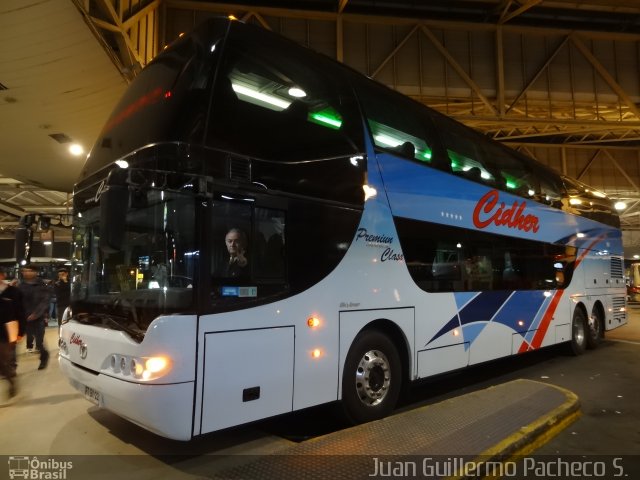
(141, 368)
(155, 367)
(149, 368)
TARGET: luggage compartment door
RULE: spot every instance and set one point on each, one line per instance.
(248, 375)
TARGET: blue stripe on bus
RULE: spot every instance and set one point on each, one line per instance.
(484, 306)
(481, 308)
(471, 332)
(451, 324)
(523, 306)
(541, 312)
(462, 298)
(505, 307)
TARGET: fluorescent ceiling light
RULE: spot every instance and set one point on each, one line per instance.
(388, 141)
(263, 97)
(326, 119)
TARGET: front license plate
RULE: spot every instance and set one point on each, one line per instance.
(92, 395)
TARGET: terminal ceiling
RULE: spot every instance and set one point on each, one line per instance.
(556, 79)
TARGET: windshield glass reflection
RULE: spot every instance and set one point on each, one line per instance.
(150, 274)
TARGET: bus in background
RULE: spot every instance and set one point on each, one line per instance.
(259, 229)
(633, 282)
(47, 266)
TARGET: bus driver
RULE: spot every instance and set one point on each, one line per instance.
(236, 242)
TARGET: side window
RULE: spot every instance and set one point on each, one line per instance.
(551, 191)
(398, 125)
(583, 200)
(522, 176)
(448, 259)
(479, 268)
(232, 256)
(269, 238)
(466, 155)
(281, 108)
(564, 264)
(447, 269)
(531, 266)
(515, 175)
(248, 245)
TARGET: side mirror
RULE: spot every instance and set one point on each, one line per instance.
(23, 244)
(114, 204)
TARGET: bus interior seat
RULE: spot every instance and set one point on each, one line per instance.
(474, 174)
(407, 149)
(440, 161)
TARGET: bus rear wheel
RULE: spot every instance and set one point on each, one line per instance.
(579, 329)
(596, 329)
(372, 377)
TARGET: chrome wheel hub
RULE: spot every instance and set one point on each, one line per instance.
(373, 377)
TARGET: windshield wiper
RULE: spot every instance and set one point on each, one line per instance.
(103, 317)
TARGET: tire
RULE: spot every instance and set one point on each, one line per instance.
(595, 331)
(579, 332)
(372, 378)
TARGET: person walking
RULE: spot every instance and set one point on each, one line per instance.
(35, 299)
(11, 330)
(62, 289)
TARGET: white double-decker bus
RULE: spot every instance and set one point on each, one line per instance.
(259, 229)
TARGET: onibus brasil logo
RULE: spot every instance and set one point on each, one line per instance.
(33, 468)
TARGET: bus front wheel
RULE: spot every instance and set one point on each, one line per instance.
(371, 381)
(579, 329)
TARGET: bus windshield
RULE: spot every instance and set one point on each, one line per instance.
(152, 272)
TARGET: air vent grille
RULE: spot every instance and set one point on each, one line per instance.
(239, 169)
(60, 137)
(619, 310)
(616, 267)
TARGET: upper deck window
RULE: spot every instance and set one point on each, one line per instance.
(274, 104)
(584, 200)
(399, 126)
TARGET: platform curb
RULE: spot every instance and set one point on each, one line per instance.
(517, 427)
(532, 436)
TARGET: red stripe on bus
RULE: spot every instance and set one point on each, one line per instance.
(548, 315)
(544, 324)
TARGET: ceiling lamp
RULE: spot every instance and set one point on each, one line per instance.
(76, 149)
